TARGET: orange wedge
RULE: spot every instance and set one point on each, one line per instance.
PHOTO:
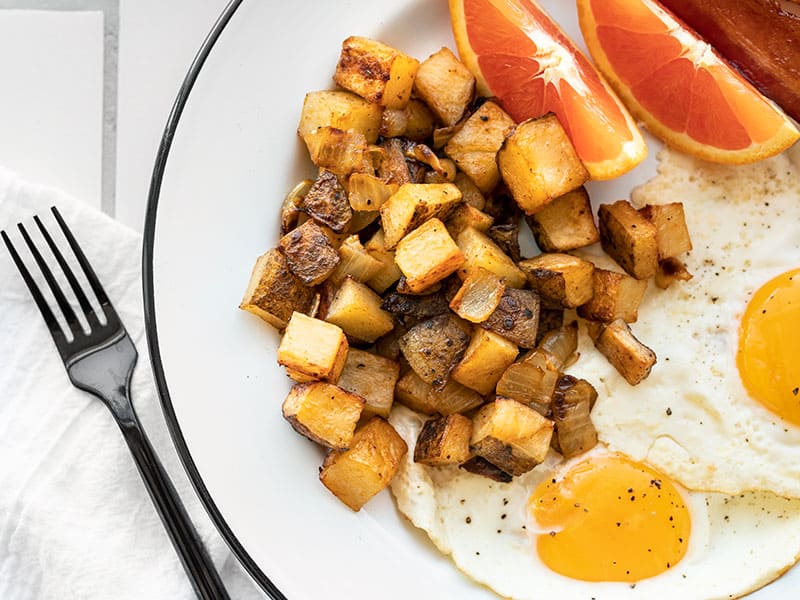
(679, 86)
(522, 57)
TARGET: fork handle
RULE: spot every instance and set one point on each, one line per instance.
(196, 561)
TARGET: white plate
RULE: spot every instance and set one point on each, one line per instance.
(234, 156)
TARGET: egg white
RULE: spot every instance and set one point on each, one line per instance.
(692, 418)
(486, 529)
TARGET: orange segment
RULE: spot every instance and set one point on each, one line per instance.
(679, 86)
(521, 56)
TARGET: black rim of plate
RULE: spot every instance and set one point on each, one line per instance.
(151, 327)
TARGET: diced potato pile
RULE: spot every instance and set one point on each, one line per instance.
(399, 276)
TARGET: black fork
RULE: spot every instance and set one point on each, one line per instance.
(101, 362)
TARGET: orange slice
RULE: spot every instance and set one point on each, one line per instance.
(679, 86)
(522, 57)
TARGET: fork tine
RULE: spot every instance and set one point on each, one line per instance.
(87, 308)
(44, 308)
(61, 299)
(99, 292)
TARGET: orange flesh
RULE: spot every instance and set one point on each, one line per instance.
(610, 519)
(501, 34)
(769, 346)
(720, 109)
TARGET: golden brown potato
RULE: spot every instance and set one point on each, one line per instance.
(341, 110)
(371, 377)
(474, 147)
(629, 238)
(571, 406)
(357, 310)
(312, 349)
(616, 295)
(561, 279)
(427, 255)
(445, 85)
(389, 272)
(538, 163)
(274, 292)
(357, 474)
(414, 393)
(628, 355)
(413, 204)
(466, 215)
(309, 253)
(433, 348)
(672, 235)
(481, 252)
(480, 466)
(485, 360)
(444, 441)
(511, 436)
(419, 121)
(376, 72)
(469, 191)
(323, 413)
(565, 224)
(342, 152)
(478, 296)
(516, 317)
(326, 202)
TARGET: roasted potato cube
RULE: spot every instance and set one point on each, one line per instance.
(565, 224)
(444, 441)
(274, 292)
(628, 355)
(376, 72)
(355, 261)
(367, 192)
(481, 252)
(560, 279)
(414, 393)
(474, 147)
(357, 474)
(341, 110)
(480, 466)
(532, 379)
(420, 121)
(309, 253)
(572, 402)
(478, 296)
(629, 238)
(394, 122)
(470, 193)
(413, 204)
(427, 255)
(326, 202)
(485, 360)
(453, 398)
(669, 270)
(433, 348)
(416, 306)
(357, 310)
(323, 413)
(343, 152)
(506, 236)
(389, 272)
(371, 377)
(538, 163)
(466, 215)
(516, 317)
(672, 235)
(445, 85)
(511, 436)
(616, 295)
(312, 349)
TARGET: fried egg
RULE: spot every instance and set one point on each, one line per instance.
(721, 408)
(600, 526)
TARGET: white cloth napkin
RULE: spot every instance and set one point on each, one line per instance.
(75, 519)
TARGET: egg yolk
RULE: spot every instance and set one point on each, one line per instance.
(610, 519)
(769, 346)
